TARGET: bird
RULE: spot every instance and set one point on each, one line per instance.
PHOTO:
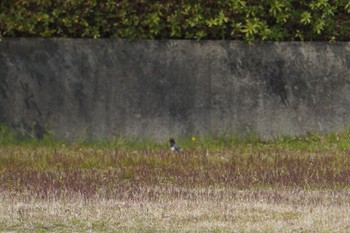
(173, 147)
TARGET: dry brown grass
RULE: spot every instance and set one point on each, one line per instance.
(206, 210)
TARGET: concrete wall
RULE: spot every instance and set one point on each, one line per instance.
(97, 89)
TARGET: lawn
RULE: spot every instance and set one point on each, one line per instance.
(213, 185)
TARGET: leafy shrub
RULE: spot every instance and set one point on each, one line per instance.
(274, 20)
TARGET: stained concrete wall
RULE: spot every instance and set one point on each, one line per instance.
(97, 89)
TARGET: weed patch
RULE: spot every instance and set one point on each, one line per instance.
(75, 187)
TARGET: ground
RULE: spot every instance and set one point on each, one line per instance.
(250, 188)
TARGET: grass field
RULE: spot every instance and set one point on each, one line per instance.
(213, 185)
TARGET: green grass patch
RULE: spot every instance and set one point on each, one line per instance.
(312, 142)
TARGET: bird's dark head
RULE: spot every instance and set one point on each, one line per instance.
(172, 141)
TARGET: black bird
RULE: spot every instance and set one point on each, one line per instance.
(173, 146)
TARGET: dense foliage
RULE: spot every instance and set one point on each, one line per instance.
(250, 20)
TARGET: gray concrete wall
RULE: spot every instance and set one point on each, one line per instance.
(97, 89)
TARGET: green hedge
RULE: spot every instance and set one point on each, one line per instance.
(274, 20)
